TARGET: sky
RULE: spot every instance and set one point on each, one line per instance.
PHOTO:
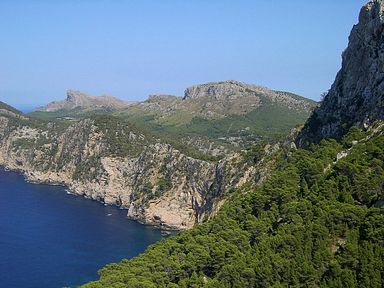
(131, 49)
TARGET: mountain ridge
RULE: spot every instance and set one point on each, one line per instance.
(228, 90)
(77, 99)
(215, 117)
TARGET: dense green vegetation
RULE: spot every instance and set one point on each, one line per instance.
(121, 138)
(267, 121)
(316, 222)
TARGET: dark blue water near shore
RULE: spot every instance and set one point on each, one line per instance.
(51, 239)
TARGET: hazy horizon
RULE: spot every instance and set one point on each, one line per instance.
(133, 49)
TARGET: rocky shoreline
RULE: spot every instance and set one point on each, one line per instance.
(160, 187)
(107, 159)
(31, 180)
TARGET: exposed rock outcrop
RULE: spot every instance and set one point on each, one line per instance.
(77, 99)
(232, 91)
(357, 95)
(107, 160)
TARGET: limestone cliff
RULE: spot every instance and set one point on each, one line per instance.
(107, 159)
(357, 95)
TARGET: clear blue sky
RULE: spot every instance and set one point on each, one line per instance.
(131, 49)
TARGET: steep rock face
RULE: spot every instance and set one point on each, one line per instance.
(235, 91)
(78, 99)
(357, 95)
(217, 90)
(158, 184)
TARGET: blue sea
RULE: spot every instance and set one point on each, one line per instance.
(49, 238)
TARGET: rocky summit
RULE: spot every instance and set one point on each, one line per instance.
(233, 92)
(357, 95)
(77, 99)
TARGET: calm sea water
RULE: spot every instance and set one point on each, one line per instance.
(51, 239)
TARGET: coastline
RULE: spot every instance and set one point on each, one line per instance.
(27, 178)
(41, 223)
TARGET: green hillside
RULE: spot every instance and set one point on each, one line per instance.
(267, 121)
(316, 222)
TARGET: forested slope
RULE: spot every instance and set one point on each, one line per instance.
(316, 222)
